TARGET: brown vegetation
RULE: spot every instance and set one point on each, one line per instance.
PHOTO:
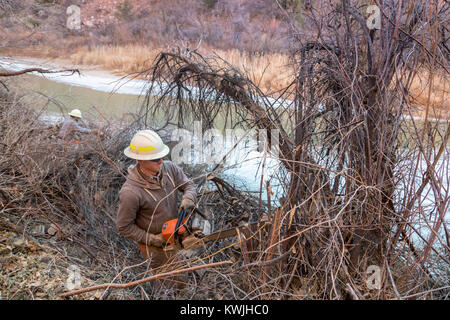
(341, 147)
(251, 35)
(354, 170)
(61, 201)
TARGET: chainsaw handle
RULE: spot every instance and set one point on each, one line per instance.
(180, 220)
(180, 223)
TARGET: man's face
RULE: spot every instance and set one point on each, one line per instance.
(151, 166)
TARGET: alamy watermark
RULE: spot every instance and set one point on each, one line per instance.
(73, 281)
(373, 277)
(213, 146)
(374, 19)
(74, 17)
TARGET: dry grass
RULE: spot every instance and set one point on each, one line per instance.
(271, 72)
(432, 91)
(126, 59)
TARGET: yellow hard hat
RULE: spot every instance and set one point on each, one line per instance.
(146, 145)
(75, 113)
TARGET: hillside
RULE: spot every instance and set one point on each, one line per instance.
(255, 26)
(124, 36)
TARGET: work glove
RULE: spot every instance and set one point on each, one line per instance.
(187, 203)
(155, 240)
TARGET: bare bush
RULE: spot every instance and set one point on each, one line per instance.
(72, 189)
(364, 184)
(10, 5)
(351, 200)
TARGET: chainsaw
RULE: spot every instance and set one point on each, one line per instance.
(178, 235)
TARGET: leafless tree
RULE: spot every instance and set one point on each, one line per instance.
(342, 129)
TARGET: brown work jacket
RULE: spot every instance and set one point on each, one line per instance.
(69, 128)
(146, 203)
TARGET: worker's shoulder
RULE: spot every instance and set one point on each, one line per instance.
(129, 190)
(69, 120)
(173, 169)
(169, 165)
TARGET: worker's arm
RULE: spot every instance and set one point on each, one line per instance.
(82, 129)
(126, 220)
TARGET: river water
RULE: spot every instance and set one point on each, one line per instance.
(116, 97)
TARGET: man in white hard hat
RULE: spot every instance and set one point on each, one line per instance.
(148, 198)
(72, 126)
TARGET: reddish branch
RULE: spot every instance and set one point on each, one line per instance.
(151, 278)
(39, 70)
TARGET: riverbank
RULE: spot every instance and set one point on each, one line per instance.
(112, 81)
(104, 67)
(271, 72)
(15, 63)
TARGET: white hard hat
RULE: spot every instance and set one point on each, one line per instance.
(146, 145)
(75, 113)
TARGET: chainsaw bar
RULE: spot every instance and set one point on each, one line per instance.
(195, 241)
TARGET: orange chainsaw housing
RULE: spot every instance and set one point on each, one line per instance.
(168, 230)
